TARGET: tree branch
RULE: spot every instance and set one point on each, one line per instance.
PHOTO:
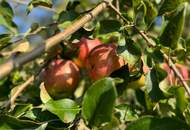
(117, 6)
(17, 62)
(150, 42)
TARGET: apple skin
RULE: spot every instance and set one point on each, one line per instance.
(102, 61)
(137, 83)
(85, 46)
(61, 76)
(172, 78)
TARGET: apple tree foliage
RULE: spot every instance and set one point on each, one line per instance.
(121, 100)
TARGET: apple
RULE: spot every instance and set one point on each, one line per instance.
(85, 46)
(61, 76)
(184, 70)
(140, 82)
(172, 78)
(102, 61)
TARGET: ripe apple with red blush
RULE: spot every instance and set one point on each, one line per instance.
(102, 61)
(61, 77)
(172, 78)
(85, 46)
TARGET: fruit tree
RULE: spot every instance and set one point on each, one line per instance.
(95, 64)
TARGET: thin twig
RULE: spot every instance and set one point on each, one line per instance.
(23, 86)
(20, 89)
(117, 6)
(17, 62)
(118, 12)
(143, 34)
(152, 43)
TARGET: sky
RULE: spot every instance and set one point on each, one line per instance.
(37, 15)
(24, 21)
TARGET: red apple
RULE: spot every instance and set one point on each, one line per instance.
(184, 70)
(172, 78)
(85, 46)
(61, 76)
(102, 61)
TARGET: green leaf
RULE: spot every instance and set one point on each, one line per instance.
(12, 123)
(144, 99)
(65, 109)
(131, 52)
(81, 33)
(187, 115)
(6, 10)
(126, 113)
(173, 30)
(98, 102)
(157, 55)
(5, 84)
(162, 74)
(21, 109)
(35, 3)
(181, 101)
(39, 114)
(151, 12)
(136, 3)
(6, 16)
(112, 37)
(4, 40)
(46, 3)
(152, 82)
(67, 16)
(169, 5)
(63, 6)
(44, 96)
(42, 127)
(108, 26)
(153, 123)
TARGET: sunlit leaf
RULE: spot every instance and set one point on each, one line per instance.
(21, 109)
(42, 127)
(98, 102)
(152, 83)
(45, 97)
(131, 52)
(65, 109)
(35, 3)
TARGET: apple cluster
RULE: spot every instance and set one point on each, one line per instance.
(98, 59)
